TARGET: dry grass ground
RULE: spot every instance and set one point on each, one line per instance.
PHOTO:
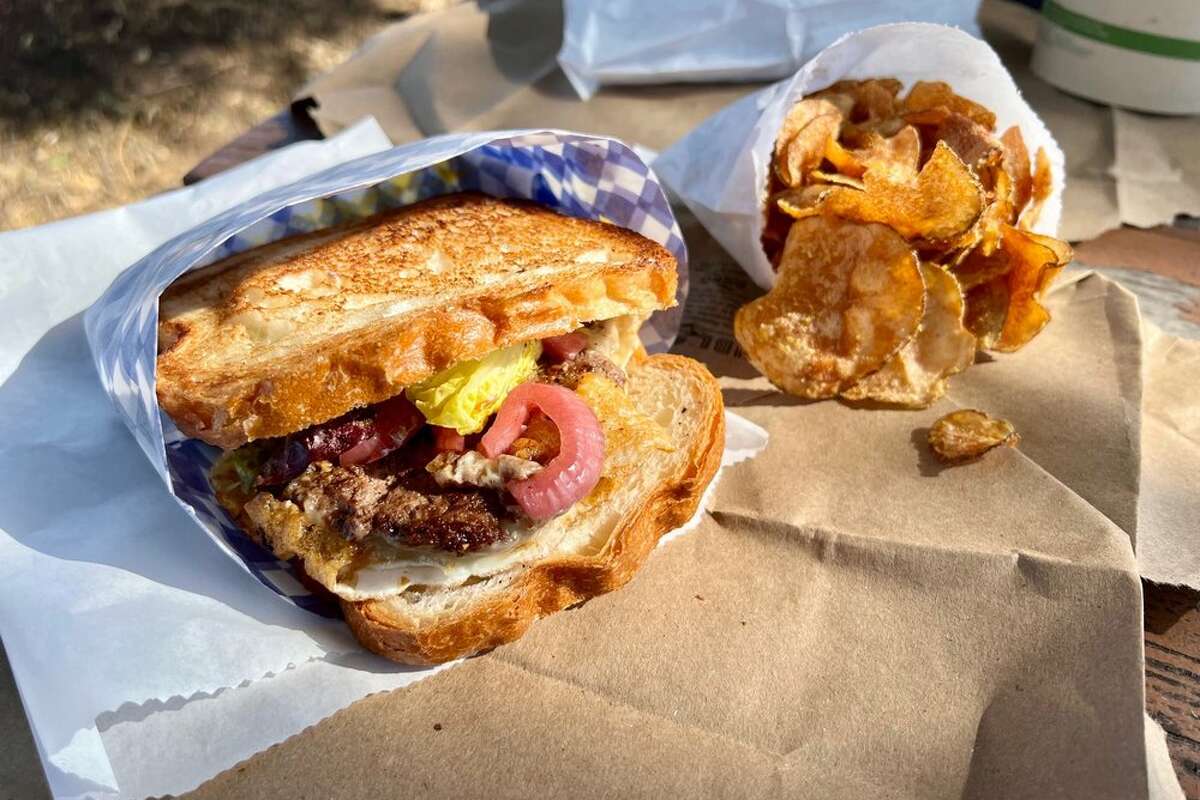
(107, 101)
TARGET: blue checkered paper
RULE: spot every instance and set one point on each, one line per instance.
(582, 176)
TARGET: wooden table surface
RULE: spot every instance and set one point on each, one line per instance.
(1165, 258)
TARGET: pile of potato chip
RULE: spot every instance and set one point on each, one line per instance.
(900, 229)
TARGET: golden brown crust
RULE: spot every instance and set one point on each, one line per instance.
(554, 584)
(294, 333)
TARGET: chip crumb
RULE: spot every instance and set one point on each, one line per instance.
(967, 434)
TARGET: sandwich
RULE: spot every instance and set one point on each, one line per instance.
(443, 414)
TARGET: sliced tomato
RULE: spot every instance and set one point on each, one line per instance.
(448, 440)
(561, 348)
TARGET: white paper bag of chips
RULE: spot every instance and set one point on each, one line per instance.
(622, 42)
(721, 169)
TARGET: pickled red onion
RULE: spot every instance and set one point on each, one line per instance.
(560, 348)
(574, 472)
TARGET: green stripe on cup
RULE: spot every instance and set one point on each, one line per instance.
(1092, 28)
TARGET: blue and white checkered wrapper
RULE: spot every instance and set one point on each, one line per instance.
(579, 175)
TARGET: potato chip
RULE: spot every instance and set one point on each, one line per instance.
(985, 231)
(929, 95)
(977, 268)
(848, 297)
(857, 135)
(967, 434)
(1016, 164)
(801, 143)
(871, 100)
(987, 307)
(835, 178)
(927, 119)
(844, 103)
(803, 202)
(1039, 191)
(940, 204)
(1037, 260)
(800, 114)
(998, 213)
(844, 161)
(970, 141)
(894, 158)
(1006, 312)
(916, 376)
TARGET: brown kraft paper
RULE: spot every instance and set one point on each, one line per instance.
(851, 620)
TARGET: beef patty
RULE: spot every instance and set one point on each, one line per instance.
(570, 372)
(400, 502)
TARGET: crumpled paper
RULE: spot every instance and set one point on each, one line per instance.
(1169, 499)
(1157, 167)
(720, 169)
(626, 42)
(127, 629)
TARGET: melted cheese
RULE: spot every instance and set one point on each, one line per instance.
(438, 568)
(616, 338)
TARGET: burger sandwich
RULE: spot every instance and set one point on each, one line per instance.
(443, 414)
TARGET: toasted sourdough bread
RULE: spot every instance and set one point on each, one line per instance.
(657, 495)
(300, 331)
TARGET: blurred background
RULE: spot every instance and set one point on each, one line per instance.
(107, 101)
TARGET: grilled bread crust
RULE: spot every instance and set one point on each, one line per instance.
(294, 333)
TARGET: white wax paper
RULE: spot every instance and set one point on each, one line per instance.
(630, 42)
(720, 169)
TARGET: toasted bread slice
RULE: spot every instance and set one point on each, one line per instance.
(300, 331)
(609, 542)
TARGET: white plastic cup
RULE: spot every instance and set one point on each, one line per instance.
(1142, 55)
